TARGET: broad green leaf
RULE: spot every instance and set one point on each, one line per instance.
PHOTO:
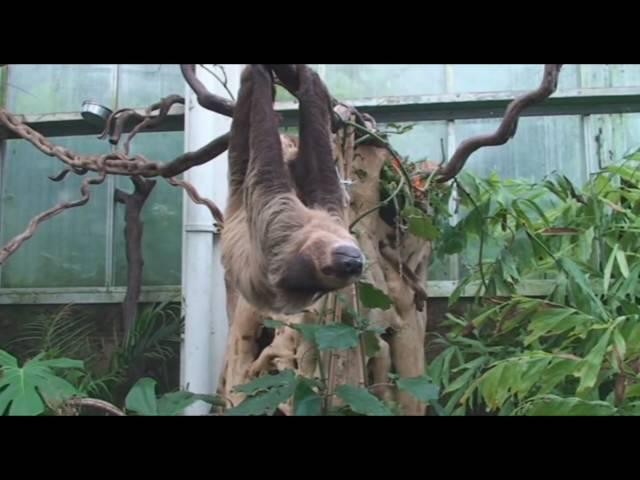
(419, 224)
(308, 330)
(7, 359)
(371, 297)
(142, 397)
(492, 388)
(420, 387)
(591, 365)
(336, 336)
(556, 373)
(265, 382)
(361, 401)
(264, 403)
(306, 402)
(23, 389)
(26, 401)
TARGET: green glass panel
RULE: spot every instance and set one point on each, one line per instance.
(162, 217)
(139, 86)
(348, 82)
(58, 88)
(505, 77)
(67, 250)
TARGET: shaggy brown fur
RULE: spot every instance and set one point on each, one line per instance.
(284, 243)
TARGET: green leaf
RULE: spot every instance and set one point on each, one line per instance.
(265, 382)
(620, 345)
(62, 363)
(548, 321)
(22, 390)
(7, 359)
(336, 336)
(608, 269)
(371, 297)
(452, 241)
(632, 391)
(269, 323)
(361, 401)
(264, 403)
(420, 387)
(591, 365)
(173, 403)
(552, 405)
(371, 343)
(142, 397)
(306, 402)
(622, 263)
(419, 224)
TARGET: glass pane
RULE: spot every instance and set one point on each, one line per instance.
(541, 145)
(496, 78)
(625, 75)
(162, 217)
(143, 85)
(631, 129)
(67, 250)
(58, 88)
(348, 82)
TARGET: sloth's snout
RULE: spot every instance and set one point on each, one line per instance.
(348, 261)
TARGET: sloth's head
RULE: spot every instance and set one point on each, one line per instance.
(325, 258)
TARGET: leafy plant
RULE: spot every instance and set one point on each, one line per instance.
(30, 389)
(310, 396)
(573, 350)
(142, 400)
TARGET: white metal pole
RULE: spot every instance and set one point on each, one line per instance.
(203, 289)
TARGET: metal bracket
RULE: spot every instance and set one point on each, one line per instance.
(203, 228)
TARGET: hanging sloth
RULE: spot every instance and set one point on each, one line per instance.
(285, 243)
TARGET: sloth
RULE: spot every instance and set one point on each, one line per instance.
(285, 243)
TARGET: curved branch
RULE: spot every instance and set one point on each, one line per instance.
(508, 126)
(204, 154)
(12, 245)
(206, 99)
(95, 403)
(197, 198)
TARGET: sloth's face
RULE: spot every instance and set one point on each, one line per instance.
(328, 260)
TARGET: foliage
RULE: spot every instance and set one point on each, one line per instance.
(575, 350)
(310, 395)
(70, 333)
(29, 389)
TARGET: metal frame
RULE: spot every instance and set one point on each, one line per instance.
(447, 107)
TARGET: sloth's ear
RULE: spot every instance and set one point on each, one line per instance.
(300, 275)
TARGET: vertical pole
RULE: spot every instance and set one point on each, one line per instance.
(203, 289)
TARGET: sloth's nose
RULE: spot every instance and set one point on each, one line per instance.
(348, 260)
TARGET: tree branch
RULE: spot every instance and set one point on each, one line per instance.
(12, 245)
(133, 230)
(197, 198)
(206, 99)
(95, 403)
(508, 126)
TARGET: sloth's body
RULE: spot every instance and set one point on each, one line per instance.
(284, 243)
